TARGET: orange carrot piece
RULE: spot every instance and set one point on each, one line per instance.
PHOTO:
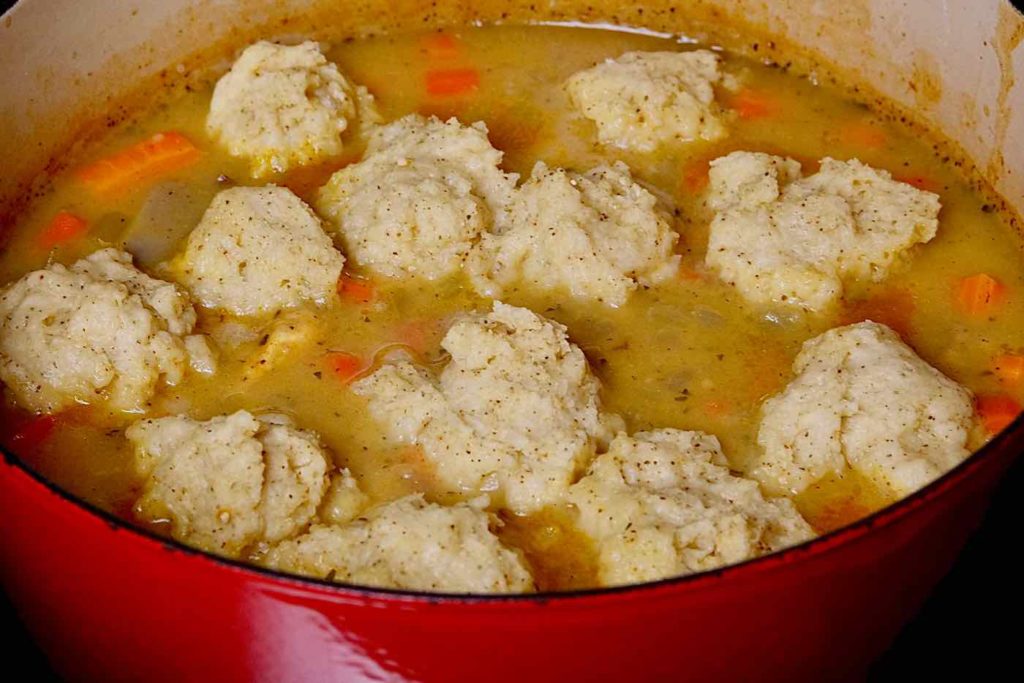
(356, 290)
(448, 82)
(139, 164)
(863, 135)
(752, 104)
(1009, 368)
(980, 295)
(344, 366)
(439, 46)
(997, 412)
(64, 227)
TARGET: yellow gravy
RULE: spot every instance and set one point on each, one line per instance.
(688, 354)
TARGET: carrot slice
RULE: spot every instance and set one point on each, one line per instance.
(448, 82)
(864, 135)
(753, 104)
(344, 366)
(139, 164)
(64, 227)
(997, 412)
(356, 290)
(1009, 368)
(440, 46)
(980, 295)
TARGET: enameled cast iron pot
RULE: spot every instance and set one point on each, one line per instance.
(108, 602)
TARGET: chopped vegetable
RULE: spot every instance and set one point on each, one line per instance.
(1009, 368)
(167, 216)
(64, 227)
(356, 290)
(980, 295)
(752, 104)
(997, 412)
(345, 366)
(139, 164)
(448, 82)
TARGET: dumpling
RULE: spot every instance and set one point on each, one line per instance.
(409, 544)
(284, 106)
(642, 100)
(862, 399)
(230, 482)
(664, 503)
(782, 239)
(515, 412)
(422, 196)
(98, 331)
(259, 250)
(598, 235)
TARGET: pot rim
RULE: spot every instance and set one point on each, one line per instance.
(814, 547)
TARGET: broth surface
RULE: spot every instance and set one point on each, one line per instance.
(689, 354)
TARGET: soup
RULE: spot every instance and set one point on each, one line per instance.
(672, 339)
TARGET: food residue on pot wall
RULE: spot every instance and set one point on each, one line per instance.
(72, 82)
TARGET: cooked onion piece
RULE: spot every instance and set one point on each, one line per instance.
(231, 482)
(259, 250)
(285, 106)
(642, 100)
(420, 198)
(98, 331)
(862, 399)
(599, 235)
(783, 239)
(409, 544)
(515, 412)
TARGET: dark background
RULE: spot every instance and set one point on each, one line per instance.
(971, 623)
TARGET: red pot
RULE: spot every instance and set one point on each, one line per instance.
(108, 602)
(111, 603)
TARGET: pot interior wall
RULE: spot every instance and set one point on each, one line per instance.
(66, 65)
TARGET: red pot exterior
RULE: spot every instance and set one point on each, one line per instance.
(109, 603)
